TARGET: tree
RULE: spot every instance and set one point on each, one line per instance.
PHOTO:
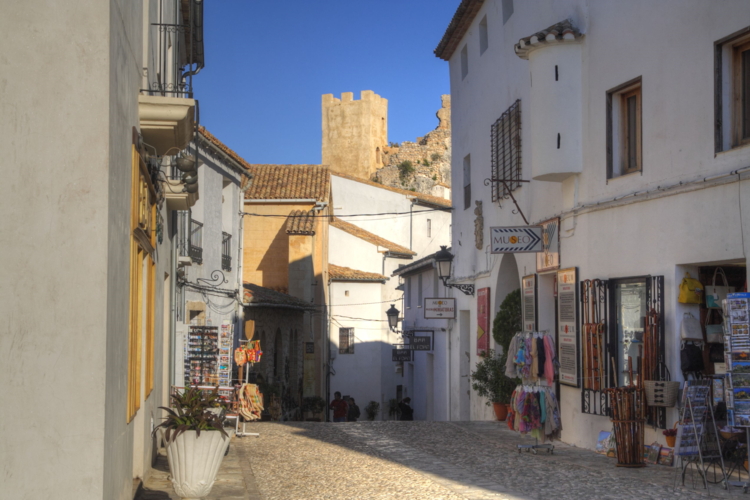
(507, 321)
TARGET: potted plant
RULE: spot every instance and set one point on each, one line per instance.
(489, 381)
(671, 435)
(314, 405)
(371, 410)
(195, 440)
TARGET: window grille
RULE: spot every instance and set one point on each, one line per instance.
(506, 151)
(346, 340)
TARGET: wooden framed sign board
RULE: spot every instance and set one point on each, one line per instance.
(529, 303)
(567, 323)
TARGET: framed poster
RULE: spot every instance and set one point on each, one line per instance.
(483, 320)
(549, 258)
(528, 305)
(440, 308)
(567, 321)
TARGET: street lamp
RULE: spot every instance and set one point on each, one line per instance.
(392, 314)
(444, 260)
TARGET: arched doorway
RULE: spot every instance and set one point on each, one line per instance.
(507, 282)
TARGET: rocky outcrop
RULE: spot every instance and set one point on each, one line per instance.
(425, 165)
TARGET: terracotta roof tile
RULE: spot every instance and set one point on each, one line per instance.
(370, 237)
(340, 273)
(563, 31)
(300, 222)
(223, 147)
(256, 295)
(465, 14)
(289, 182)
(427, 198)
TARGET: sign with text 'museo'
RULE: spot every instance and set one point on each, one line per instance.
(516, 239)
(439, 308)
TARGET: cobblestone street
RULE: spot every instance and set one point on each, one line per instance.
(423, 460)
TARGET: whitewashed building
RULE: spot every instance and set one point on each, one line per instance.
(375, 229)
(630, 121)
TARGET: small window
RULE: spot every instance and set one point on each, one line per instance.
(505, 143)
(624, 154)
(467, 181)
(346, 340)
(464, 62)
(483, 40)
(732, 101)
(429, 228)
(419, 291)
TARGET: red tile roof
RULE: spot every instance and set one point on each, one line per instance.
(300, 222)
(563, 31)
(257, 296)
(340, 273)
(289, 182)
(465, 14)
(223, 147)
(370, 237)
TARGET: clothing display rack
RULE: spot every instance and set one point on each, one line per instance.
(249, 397)
(536, 446)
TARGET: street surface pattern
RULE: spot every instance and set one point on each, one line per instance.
(421, 461)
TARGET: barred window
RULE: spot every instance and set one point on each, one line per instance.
(506, 151)
(346, 340)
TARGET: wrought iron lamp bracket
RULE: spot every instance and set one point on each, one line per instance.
(466, 289)
(505, 182)
(217, 279)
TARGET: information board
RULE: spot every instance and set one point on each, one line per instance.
(440, 308)
(421, 342)
(528, 303)
(516, 239)
(567, 321)
(401, 355)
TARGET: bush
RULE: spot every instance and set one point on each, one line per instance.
(192, 413)
(405, 168)
(371, 410)
(507, 322)
(436, 157)
(489, 380)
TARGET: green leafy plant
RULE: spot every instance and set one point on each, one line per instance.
(489, 380)
(436, 157)
(371, 410)
(393, 410)
(434, 177)
(425, 162)
(405, 169)
(507, 321)
(313, 404)
(192, 413)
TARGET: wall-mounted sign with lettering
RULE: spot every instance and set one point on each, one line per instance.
(567, 320)
(401, 355)
(549, 258)
(528, 303)
(439, 308)
(421, 342)
(516, 239)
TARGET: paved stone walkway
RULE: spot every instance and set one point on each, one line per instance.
(423, 460)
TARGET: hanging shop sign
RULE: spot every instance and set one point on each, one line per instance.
(567, 321)
(516, 239)
(483, 320)
(549, 258)
(421, 341)
(400, 355)
(439, 308)
(528, 306)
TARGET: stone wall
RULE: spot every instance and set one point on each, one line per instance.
(430, 158)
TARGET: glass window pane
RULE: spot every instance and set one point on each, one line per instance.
(632, 133)
(630, 307)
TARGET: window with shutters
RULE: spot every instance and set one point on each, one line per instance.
(624, 151)
(505, 141)
(732, 88)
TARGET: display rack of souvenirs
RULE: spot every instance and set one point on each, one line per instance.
(250, 397)
(531, 357)
(534, 410)
(226, 341)
(202, 356)
(736, 309)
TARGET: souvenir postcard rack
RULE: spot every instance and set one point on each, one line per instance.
(697, 443)
(226, 343)
(736, 309)
(202, 356)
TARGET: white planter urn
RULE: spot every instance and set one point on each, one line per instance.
(194, 462)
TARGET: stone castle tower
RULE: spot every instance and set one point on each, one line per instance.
(354, 133)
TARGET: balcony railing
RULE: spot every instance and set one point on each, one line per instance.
(196, 241)
(189, 237)
(226, 251)
(177, 42)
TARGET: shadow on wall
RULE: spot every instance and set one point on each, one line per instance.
(273, 267)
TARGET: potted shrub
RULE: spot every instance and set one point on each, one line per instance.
(489, 381)
(313, 405)
(671, 435)
(195, 440)
(371, 410)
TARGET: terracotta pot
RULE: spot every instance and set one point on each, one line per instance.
(501, 410)
(671, 440)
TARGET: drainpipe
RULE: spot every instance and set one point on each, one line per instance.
(327, 354)
(173, 302)
(411, 207)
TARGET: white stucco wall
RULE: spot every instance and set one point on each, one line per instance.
(657, 235)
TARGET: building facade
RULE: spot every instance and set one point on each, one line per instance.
(637, 160)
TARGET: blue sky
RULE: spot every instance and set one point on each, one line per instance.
(269, 62)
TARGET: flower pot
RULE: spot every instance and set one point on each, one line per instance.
(671, 440)
(501, 410)
(194, 462)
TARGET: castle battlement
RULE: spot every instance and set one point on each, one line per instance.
(365, 95)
